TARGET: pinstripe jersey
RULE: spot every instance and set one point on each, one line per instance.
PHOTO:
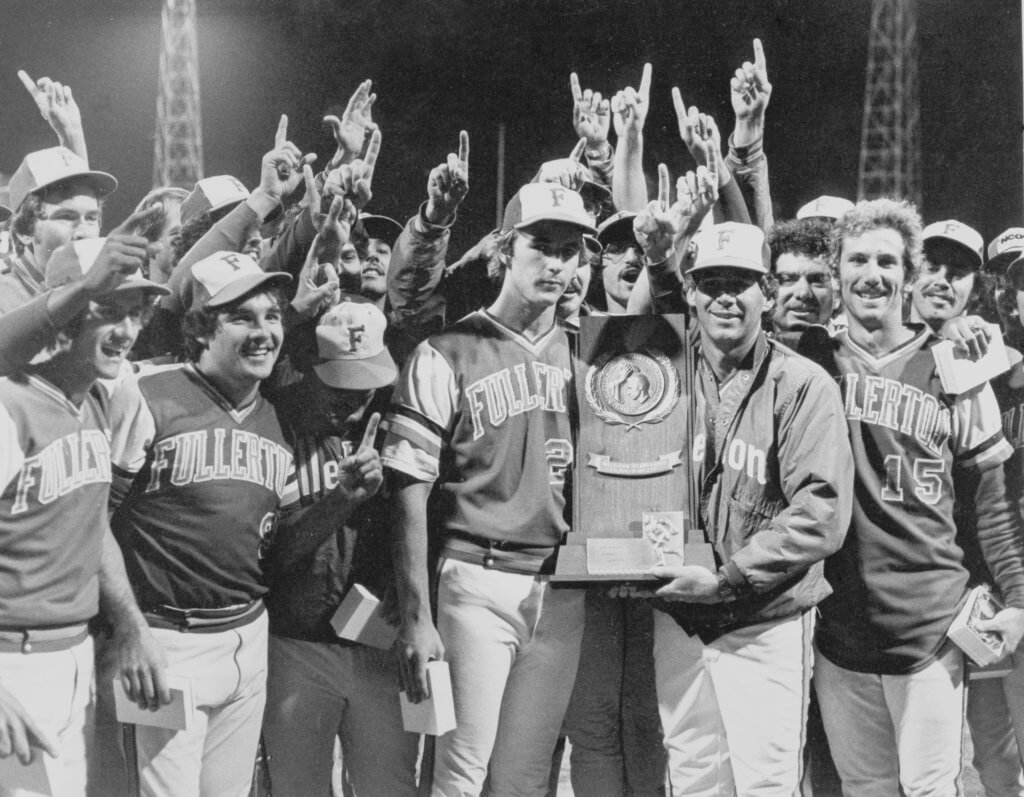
(201, 484)
(484, 411)
(900, 577)
(54, 486)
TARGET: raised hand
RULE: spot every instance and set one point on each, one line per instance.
(697, 130)
(355, 125)
(126, 250)
(361, 474)
(660, 228)
(58, 107)
(697, 193)
(591, 115)
(654, 227)
(354, 180)
(629, 107)
(281, 171)
(750, 93)
(567, 172)
(448, 184)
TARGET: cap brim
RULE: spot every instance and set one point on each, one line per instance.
(142, 284)
(564, 218)
(595, 191)
(100, 182)
(976, 257)
(383, 228)
(246, 284)
(618, 230)
(373, 372)
(729, 262)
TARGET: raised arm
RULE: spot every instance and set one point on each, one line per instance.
(750, 92)
(591, 119)
(629, 112)
(58, 107)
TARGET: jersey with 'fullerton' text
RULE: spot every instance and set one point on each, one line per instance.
(484, 411)
(199, 484)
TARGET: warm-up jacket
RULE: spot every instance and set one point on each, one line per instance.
(776, 489)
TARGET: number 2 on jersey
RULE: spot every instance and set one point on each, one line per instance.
(927, 479)
(559, 455)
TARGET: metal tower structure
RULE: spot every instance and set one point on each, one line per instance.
(178, 152)
(890, 148)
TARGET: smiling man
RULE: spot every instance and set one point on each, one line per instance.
(807, 291)
(621, 260)
(948, 279)
(482, 410)
(732, 647)
(201, 466)
(59, 563)
(889, 682)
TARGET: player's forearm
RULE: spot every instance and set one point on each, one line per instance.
(417, 264)
(749, 167)
(999, 535)
(409, 548)
(117, 601)
(629, 190)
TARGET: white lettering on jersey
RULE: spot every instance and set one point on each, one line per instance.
(894, 405)
(70, 462)
(506, 393)
(193, 457)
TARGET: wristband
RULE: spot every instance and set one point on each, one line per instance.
(726, 592)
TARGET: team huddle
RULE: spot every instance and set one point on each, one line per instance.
(240, 408)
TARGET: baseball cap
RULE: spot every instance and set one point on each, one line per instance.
(730, 244)
(73, 260)
(546, 202)
(1005, 248)
(225, 276)
(825, 207)
(958, 233)
(46, 167)
(350, 346)
(383, 227)
(221, 192)
(617, 227)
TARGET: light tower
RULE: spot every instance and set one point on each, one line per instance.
(178, 152)
(890, 148)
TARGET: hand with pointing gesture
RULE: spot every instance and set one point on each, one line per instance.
(125, 250)
(355, 180)
(448, 184)
(661, 228)
(591, 115)
(360, 475)
(567, 172)
(629, 107)
(750, 93)
(59, 109)
(281, 171)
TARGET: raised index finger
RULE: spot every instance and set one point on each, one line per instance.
(574, 84)
(140, 221)
(27, 82)
(464, 150)
(370, 435)
(759, 59)
(281, 136)
(372, 152)
(645, 84)
(663, 188)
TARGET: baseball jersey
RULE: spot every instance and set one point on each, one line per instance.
(197, 485)
(900, 577)
(54, 486)
(20, 282)
(484, 411)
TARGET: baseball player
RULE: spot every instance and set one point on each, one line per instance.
(59, 563)
(949, 281)
(55, 197)
(889, 682)
(807, 292)
(320, 687)
(732, 647)
(382, 232)
(201, 467)
(483, 411)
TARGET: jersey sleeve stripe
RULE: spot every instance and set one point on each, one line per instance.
(414, 430)
(401, 455)
(991, 453)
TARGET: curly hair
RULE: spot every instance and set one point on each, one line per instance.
(873, 214)
(807, 237)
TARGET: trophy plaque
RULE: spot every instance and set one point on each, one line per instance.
(633, 496)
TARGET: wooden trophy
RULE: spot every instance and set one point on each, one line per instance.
(633, 495)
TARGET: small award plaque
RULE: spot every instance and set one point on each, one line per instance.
(633, 497)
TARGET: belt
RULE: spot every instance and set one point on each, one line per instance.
(42, 640)
(502, 555)
(204, 621)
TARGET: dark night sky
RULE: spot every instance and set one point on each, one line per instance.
(442, 65)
